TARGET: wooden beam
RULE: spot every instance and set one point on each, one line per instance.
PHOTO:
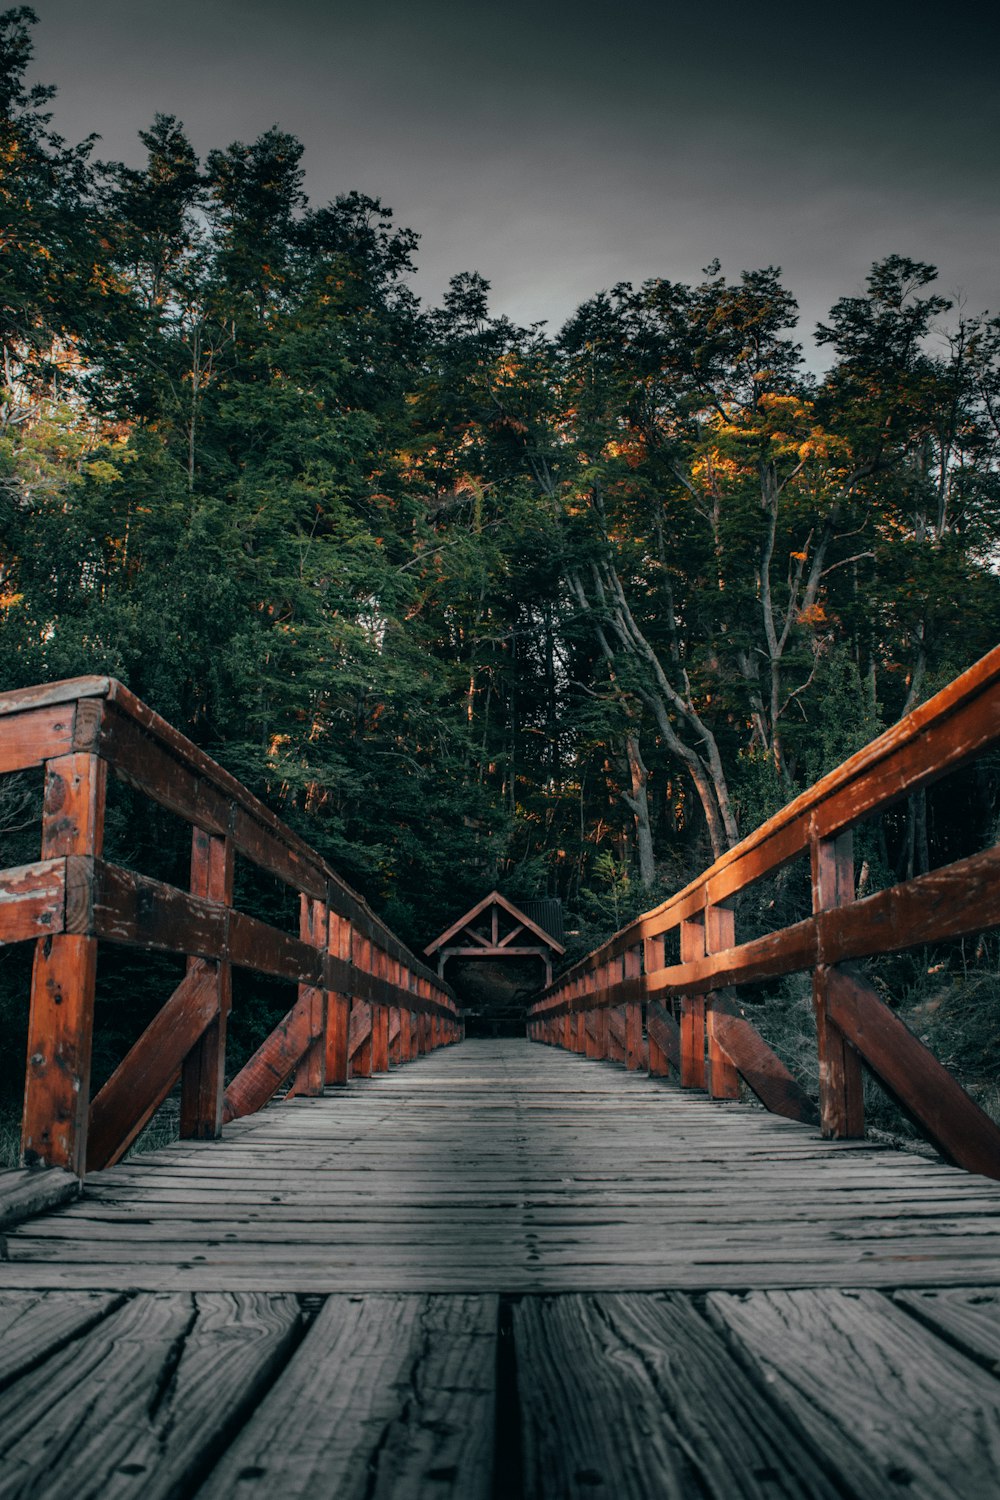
(33, 901)
(61, 1018)
(925, 1089)
(30, 738)
(664, 1040)
(841, 1086)
(144, 1078)
(338, 1005)
(203, 1076)
(263, 1075)
(310, 1070)
(761, 1068)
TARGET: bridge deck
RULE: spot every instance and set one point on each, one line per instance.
(336, 1299)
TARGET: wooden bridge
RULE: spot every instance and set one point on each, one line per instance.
(589, 1268)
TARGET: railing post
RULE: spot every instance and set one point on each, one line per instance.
(361, 1063)
(61, 1019)
(405, 1017)
(576, 989)
(395, 1017)
(423, 990)
(720, 933)
(632, 968)
(692, 1010)
(310, 1071)
(841, 1081)
(338, 1014)
(654, 958)
(380, 1015)
(203, 1074)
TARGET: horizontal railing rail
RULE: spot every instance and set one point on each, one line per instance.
(694, 1029)
(364, 1000)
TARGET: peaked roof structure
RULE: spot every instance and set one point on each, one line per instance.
(495, 928)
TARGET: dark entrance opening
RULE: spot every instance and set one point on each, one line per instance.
(494, 993)
(496, 957)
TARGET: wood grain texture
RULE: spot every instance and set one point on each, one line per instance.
(140, 1403)
(33, 1325)
(60, 1040)
(29, 738)
(386, 1397)
(967, 1316)
(895, 1411)
(32, 900)
(24, 1193)
(634, 1396)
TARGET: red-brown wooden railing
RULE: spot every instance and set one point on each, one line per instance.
(364, 1000)
(696, 1031)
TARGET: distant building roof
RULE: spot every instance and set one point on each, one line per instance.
(496, 928)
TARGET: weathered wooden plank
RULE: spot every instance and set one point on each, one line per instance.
(32, 901)
(894, 1410)
(633, 1396)
(167, 774)
(255, 945)
(141, 912)
(45, 694)
(140, 1404)
(967, 1316)
(24, 1193)
(616, 1035)
(30, 738)
(952, 1120)
(387, 1396)
(33, 1325)
(145, 1076)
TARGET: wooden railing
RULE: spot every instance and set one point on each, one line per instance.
(363, 999)
(696, 1030)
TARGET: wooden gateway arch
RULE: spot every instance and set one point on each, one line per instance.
(495, 929)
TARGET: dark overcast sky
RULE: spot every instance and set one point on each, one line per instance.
(560, 147)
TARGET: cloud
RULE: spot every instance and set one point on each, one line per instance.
(560, 147)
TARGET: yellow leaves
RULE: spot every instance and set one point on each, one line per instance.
(10, 601)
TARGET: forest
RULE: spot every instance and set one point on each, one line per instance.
(470, 604)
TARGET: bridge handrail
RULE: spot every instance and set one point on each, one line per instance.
(714, 1045)
(362, 993)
